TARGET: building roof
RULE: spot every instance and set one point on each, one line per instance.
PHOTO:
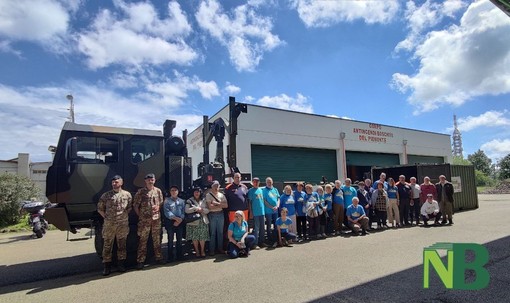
(70, 126)
(324, 116)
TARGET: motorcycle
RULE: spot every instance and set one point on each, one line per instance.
(36, 218)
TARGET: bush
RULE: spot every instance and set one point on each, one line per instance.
(483, 180)
(13, 190)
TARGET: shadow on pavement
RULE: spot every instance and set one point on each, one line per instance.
(76, 269)
(407, 285)
(25, 237)
(47, 269)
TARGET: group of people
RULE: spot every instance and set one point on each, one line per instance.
(297, 214)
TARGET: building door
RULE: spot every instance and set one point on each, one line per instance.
(293, 163)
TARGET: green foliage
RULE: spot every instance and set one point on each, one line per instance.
(460, 161)
(481, 162)
(504, 167)
(483, 180)
(13, 190)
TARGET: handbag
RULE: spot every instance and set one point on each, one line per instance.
(312, 212)
(188, 218)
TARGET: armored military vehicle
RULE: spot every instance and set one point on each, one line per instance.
(87, 157)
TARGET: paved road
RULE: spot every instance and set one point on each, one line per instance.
(381, 267)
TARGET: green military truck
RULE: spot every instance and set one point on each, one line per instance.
(87, 157)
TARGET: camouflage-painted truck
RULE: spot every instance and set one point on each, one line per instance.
(87, 157)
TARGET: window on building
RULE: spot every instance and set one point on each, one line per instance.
(39, 171)
(144, 148)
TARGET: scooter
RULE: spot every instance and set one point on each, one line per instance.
(36, 219)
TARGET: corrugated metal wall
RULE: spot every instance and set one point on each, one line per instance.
(467, 198)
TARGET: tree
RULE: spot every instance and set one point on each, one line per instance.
(481, 162)
(504, 167)
(460, 161)
(13, 190)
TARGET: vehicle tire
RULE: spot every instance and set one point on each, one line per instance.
(38, 230)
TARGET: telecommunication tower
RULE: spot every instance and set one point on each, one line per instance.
(457, 140)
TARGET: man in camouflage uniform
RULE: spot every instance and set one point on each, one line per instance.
(148, 201)
(114, 206)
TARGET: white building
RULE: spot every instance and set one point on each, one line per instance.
(35, 171)
(289, 145)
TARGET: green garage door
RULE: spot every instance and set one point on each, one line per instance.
(293, 163)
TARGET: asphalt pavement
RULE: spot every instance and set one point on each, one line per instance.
(384, 266)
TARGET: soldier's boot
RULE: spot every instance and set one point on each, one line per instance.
(107, 269)
(121, 266)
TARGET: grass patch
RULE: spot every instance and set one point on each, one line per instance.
(481, 189)
(21, 226)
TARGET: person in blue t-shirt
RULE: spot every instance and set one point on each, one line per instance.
(393, 212)
(382, 179)
(312, 211)
(328, 199)
(239, 241)
(287, 201)
(357, 218)
(349, 193)
(282, 232)
(256, 200)
(271, 204)
(299, 198)
(338, 207)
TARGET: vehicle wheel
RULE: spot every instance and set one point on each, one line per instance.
(38, 230)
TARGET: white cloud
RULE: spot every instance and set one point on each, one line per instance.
(299, 103)
(232, 89)
(35, 115)
(42, 21)
(174, 91)
(461, 62)
(426, 16)
(487, 119)
(497, 148)
(208, 89)
(245, 34)
(249, 99)
(6, 47)
(327, 13)
(135, 35)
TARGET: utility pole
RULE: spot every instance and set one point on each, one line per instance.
(71, 108)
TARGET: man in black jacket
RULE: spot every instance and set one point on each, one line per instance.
(444, 191)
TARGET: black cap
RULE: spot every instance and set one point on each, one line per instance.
(197, 189)
(150, 176)
(116, 177)
(174, 186)
(256, 179)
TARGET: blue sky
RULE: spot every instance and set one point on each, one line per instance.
(136, 63)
